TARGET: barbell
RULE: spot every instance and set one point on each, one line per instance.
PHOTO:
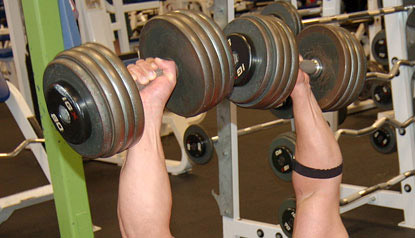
(96, 106)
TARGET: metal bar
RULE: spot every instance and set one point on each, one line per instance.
(357, 15)
(20, 147)
(310, 11)
(392, 73)
(386, 185)
(44, 34)
(256, 128)
(376, 125)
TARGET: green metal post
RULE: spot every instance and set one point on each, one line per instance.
(44, 35)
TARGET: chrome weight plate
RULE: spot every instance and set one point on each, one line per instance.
(77, 107)
(194, 87)
(280, 155)
(256, 35)
(323, 44)
(286, 12)
(129, 84)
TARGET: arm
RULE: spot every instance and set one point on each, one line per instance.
(317, 213)
(144, 203)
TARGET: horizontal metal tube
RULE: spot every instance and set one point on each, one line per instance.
(357, 15)
(20, 147)
(256, 128)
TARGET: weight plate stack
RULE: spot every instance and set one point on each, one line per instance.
(88, 101)
(284, 110)
(204, 59)
(281, 154)
(326, 45)
(268, 42)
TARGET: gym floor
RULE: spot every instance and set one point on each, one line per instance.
(195, 213)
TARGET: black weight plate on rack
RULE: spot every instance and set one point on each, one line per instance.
(120, 90)
(361, 73)
(193, 89)
(293, 73)
(284, 11)
(256, 34)
(109, 94)
(207, 42)
(229, 81)
(283, 78)
(280, 155)
(221, 47)
(129, 84)
(384, 139)
(284, 110)
(276, 55)
(381, 93)
(91, 120)
(198, 145)
(286, 215)
(351, 82)
(379, 48)
(322, 43)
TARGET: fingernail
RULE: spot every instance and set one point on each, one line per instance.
(154, 66)
(134, 77)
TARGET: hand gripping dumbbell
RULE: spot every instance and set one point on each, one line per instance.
(95, 104)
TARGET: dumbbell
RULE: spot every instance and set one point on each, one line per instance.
(281, 154)
(199, 146)
(384, 139)
(379, 48)
(95, 105)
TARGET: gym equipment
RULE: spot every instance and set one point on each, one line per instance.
(286, 215)
(381, 94)
(199, 146)
(280, 155)
(384, 139)
(95, 105)
(284, 110)
(372, 66)
(286, 12)
(410, 35)
(379, 48)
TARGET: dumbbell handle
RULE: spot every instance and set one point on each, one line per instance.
(311, 67)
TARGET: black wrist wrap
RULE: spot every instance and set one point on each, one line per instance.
(317, 173)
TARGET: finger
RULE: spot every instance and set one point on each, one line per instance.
(168, 67)
(153, 65)
(138, 74)
(146, 70)
(300, 57)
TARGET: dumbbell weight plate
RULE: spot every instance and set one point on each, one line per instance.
(286, 12)
(384, 139)
(219, 42)
(372, 66)
(353, 68)
(286, 215)
(257, 36)
(121, 94)
(322, 43)
(276, 54)
(160, 37)
(89, 128)
(213, 57)
(281, 154)
(361, 73)
(410, 35)
(293, 71)
(130, 85)
(198, 145)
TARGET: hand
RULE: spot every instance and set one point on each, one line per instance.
(155, 90)
(302, 84)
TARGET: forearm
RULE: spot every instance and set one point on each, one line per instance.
(144, 193)
(317, 199)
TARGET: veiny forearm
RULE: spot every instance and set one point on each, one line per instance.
(144, 193)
